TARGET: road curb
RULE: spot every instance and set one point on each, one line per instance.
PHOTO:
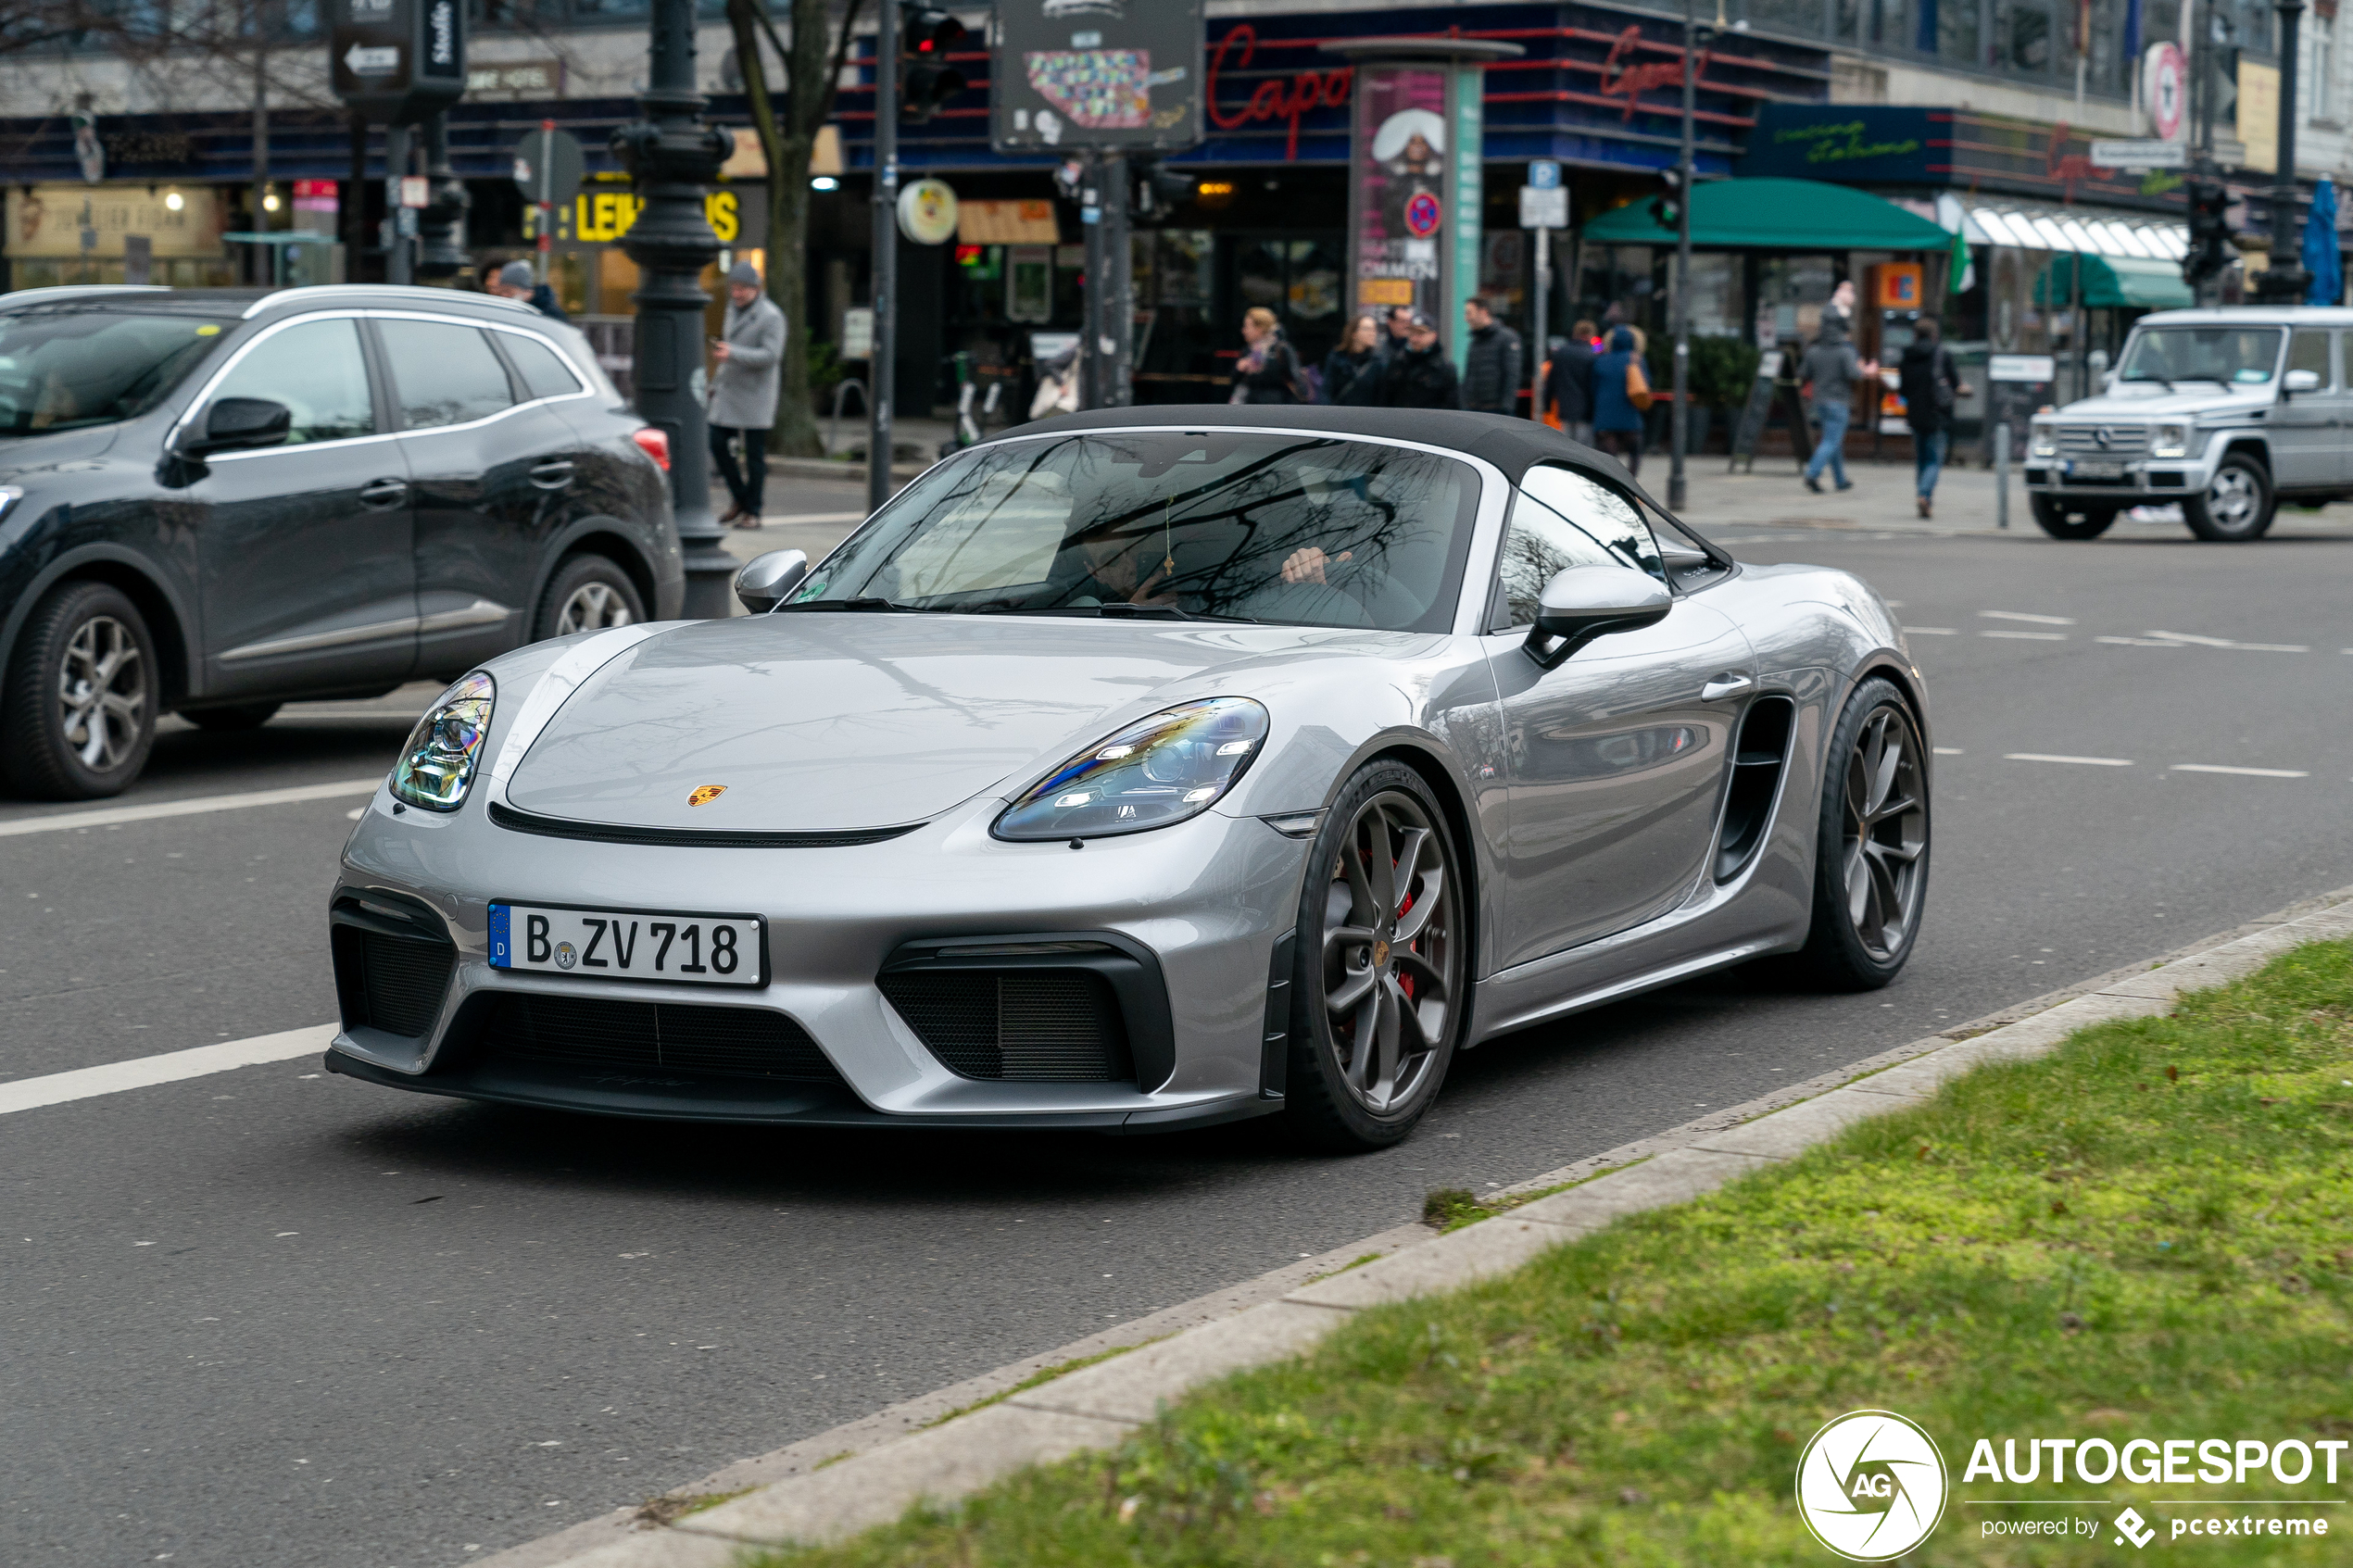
(869, 1471)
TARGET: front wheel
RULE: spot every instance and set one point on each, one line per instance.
(2058, 520)
(1871, 843)
(79, 714)
(587, 594)
(1379, 989)
(2236, 505)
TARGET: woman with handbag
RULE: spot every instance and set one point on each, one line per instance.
(1268, 369)
(1621, 397)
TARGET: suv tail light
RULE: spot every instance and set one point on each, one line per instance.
(655, 444)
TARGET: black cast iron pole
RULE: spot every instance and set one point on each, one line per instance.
(670, 155)
(882, 375)
(442, 225)
(1679, 417)
(2284, 281)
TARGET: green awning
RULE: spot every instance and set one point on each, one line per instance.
(1776, 215)
(2113, 282)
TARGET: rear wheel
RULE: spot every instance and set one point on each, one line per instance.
(79, 714)
(1870, 845)
(238, 716)
(587, 594)
(2236, 505)
(2062, 520)
(1379, 991)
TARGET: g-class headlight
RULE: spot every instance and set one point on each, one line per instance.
(1176, 764)
(2043, 443)
(2170, 441)
(437, 766)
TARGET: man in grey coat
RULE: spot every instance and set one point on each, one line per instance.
(743, 392)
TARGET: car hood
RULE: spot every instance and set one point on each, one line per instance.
(2194, 400)
(24, 455)
(835, 721)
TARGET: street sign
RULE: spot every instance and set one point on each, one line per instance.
(928, 212)
(2230, 154)
(548, 166)
(2140, 154)
(1543, 207)
(397, 61)
(2164, 89)
(1097, 75)
(416, 191)
(1545, 175)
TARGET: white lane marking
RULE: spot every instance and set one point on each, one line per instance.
(2139, 642)
(146, 1072)
(355, 813)
(2021, 615)
(1936, 632)
(2082, 761)
(2244, 772)
(1946, 750)
(814, 517)
(111, 814)
(2225, 643)
(2028, 636)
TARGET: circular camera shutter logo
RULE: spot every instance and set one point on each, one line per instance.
(1870, 1486)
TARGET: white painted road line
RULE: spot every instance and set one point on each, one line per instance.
(2139, 642)
(813, 517)
(2028, 636)
(2243, 773)
(109, 815)
(2197, 641)
(2021, 615)
(143, 1072)
(2080, 761)
(1948, 632)
(1946, 750)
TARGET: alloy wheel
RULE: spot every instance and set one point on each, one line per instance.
(102, 692)
(592, 607)
(1886, 833)
(1389, 966)
(2234, 499)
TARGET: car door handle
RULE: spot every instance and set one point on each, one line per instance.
(552, 475)
(1726, 685)
(384, 492)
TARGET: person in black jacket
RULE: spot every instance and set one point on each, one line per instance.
(1420, 375)
(1345, 366)
(1268, 369)
(1568, 391)
(1930, 382)
(1491, 364)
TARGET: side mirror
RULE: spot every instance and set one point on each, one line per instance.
(1586, 602)
(235, 423)
(766, 580)
(2302, 381)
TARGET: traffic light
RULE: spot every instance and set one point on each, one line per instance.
(2209, 233)
(1162, 190)
(1666, 207)
(925, 79)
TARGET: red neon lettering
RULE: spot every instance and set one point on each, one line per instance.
(1273, 100)
(1632, 81)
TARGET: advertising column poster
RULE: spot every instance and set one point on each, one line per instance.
(1403, 197)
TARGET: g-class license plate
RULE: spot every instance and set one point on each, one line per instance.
(692, 950)
(2095, 471)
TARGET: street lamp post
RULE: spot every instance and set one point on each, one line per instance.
(1679, 417)
(2284, 281)
(670, 155)
(881, 377)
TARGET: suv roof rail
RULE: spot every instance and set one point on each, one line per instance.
(406, 294)
(70, 291)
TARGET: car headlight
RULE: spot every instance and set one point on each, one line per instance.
(437, 766)
(1176, 764)
(2043, 443)
(2170, 441)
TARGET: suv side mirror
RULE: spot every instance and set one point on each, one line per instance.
(235, 423)
(1586, 602)
(766, 580)
(2301, 381)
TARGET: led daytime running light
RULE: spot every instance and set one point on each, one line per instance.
(1157, 771)
(437, 765)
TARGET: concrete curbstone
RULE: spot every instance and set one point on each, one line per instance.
(1677, 1177)
(2330, 924)
(1917, 1080)
(1132, 1388)
(1491, 1246)
(1785, 1134)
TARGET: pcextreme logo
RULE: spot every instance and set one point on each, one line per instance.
(1870, 1486)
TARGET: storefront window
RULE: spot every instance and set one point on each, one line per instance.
(2022, 37)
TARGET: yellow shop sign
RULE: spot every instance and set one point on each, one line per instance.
(601, 217)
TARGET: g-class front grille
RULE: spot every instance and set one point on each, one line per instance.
(2123, 440)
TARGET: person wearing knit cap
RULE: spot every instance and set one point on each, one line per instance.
(743, 391)
(514, 281)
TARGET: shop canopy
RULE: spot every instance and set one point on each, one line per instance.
(2113, 282)
(1794, 214)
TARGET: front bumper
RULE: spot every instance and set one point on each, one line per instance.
(1178, 924)
(2146, 481)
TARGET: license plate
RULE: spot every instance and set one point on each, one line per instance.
(2095, 471)
(690, 949)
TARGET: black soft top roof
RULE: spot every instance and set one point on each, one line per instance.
(1512, 444)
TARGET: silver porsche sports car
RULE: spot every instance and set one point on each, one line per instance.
(1143, 770)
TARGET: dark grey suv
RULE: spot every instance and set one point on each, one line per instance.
(215, 501)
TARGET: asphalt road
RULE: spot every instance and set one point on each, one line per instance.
(272, 1317)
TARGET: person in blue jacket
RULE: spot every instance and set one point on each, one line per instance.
(1617, 424)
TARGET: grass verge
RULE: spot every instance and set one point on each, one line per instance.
(2147, 1233)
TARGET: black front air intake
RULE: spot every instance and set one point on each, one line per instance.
(1052, 1009)
(393, 960)
(597, 1032)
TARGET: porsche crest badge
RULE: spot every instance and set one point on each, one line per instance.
(706, 793)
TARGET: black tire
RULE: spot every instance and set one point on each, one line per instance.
(2082, 520)
(1419, 992)
(79, 715)
(587, 594)
(235, 717)
(2237, 504)
(1861, 936)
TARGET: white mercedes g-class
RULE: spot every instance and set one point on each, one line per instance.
(2227, 412)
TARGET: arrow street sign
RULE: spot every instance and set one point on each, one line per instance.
(396, 61)
(380, 61)
(2140, 154)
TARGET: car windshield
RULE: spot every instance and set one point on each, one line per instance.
(2233, 356)
(1306, 529)
(63, 366)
